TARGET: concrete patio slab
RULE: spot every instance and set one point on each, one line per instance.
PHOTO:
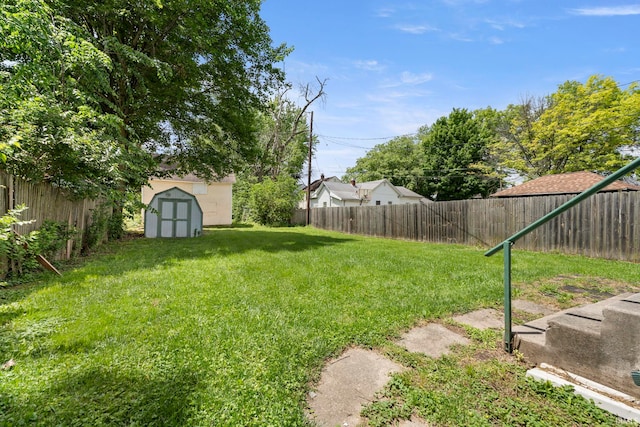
(433, 340)
(346, 384)
(487, 318)
(532, 307)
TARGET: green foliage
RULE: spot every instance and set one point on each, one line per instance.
(52, 237)
(579, 127)
(456, 150)
(11, 246)
(100, 227)
(283, 136)
(20, 251)
(49, 103)
(273, 201)
(241, 196)
(91, 90)
(400, 160)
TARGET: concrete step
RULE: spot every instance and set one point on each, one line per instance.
(600, 341)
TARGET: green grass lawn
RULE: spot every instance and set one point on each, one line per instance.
(233, 328)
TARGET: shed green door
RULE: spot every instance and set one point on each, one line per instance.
(175, 218)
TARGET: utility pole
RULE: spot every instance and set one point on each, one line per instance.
(309, 170)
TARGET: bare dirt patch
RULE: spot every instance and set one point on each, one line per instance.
(565, 291)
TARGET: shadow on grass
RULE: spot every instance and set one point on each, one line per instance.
(14, 293)
(101, 396)
(118, 258)
(149, 253)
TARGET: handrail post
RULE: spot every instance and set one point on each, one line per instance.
(508, 336)
(506, 245)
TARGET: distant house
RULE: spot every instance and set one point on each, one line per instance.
(564, 183)
(382, 192)
(213, 197)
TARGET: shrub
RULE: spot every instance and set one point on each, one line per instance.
(21, 250)
(97, 231)
(272, 202)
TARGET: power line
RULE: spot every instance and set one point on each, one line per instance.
(380, 138)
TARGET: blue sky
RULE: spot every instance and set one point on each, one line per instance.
(393, 66)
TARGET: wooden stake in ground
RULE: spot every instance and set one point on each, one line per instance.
(41, 260)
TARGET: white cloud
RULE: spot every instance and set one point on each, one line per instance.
(302, 72)
(415, 79)
(502, 25)
(632, 9)
(415, 29)
(460, 37)
(369, 65)
(409, 79)
(496, 40)
(386, 12)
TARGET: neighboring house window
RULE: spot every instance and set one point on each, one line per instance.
(389, 202)
(377, 202)
(324, 204)
(199, 188)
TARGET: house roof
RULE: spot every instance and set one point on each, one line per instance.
(566, 183)
(405, 192)
(341, 190)
(370, 185)
(315, 184)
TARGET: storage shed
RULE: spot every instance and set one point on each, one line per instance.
(173, 213)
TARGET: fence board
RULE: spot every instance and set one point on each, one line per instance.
(606, 225)
(44, 203)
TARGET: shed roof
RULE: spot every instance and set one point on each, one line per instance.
(565, 183)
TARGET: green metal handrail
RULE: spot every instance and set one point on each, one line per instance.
(506, 244)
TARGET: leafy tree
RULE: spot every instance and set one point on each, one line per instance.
(272, 201)
(103, 86)
(579, 127)
(456, 150)
(283, 133)
(514, 129)
(283, 144)
(187, 77)
(49, 109)
(400, 160)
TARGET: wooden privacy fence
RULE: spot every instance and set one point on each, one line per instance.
(606, 225)
(45, 202)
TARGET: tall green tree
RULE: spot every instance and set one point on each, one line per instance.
(50, 119)
(582, 126)
(457, 157)
(282, 150)
(400, 160)
(184, 79)
(283, 133)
